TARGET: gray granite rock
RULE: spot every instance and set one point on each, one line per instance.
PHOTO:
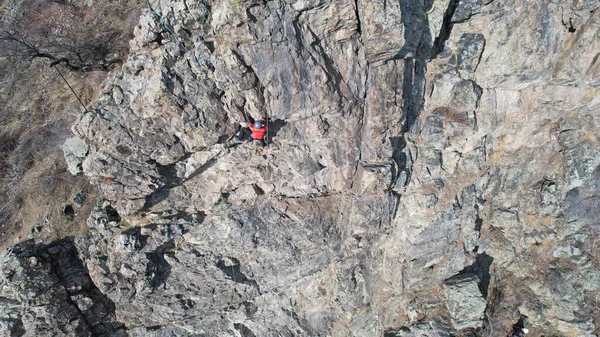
(46, 290)
(407, 142)
(423, 329)
(465, 302)
(465, 9)
(74, 149)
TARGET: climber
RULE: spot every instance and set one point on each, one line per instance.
(254, 131)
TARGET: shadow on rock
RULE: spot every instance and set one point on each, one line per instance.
(274, 128)
(158, 269)
(60, 287)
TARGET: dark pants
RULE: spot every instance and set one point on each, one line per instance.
(247, 132)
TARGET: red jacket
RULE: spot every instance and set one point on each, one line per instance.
(257, 133)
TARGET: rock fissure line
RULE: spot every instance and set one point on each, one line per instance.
(446, 29)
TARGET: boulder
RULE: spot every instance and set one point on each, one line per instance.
(464, 301)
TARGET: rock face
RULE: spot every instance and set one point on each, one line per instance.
(465, 302)
(432, 169)
(422, 329)
(46, 290)
(74, 150)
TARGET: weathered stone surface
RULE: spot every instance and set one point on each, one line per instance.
(46, 290)
(470, 47)
(430, 328)
(464, 300)
(406, 146)
(466, 8)
(74, 150)
(383, 33)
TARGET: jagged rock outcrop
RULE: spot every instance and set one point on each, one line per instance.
(432, 169)
(425, 328)
(46, 290)
(74, 150)
(465, 302)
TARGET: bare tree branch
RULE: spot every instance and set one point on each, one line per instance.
(52, 31)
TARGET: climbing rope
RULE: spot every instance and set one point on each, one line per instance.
(268, 139)
(177, 40)
(73, 91)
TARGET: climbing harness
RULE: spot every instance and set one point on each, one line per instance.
(196, 59)
(179, 42)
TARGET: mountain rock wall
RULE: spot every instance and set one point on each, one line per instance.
(432, 168)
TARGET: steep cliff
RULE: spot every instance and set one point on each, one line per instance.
(432, 169)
